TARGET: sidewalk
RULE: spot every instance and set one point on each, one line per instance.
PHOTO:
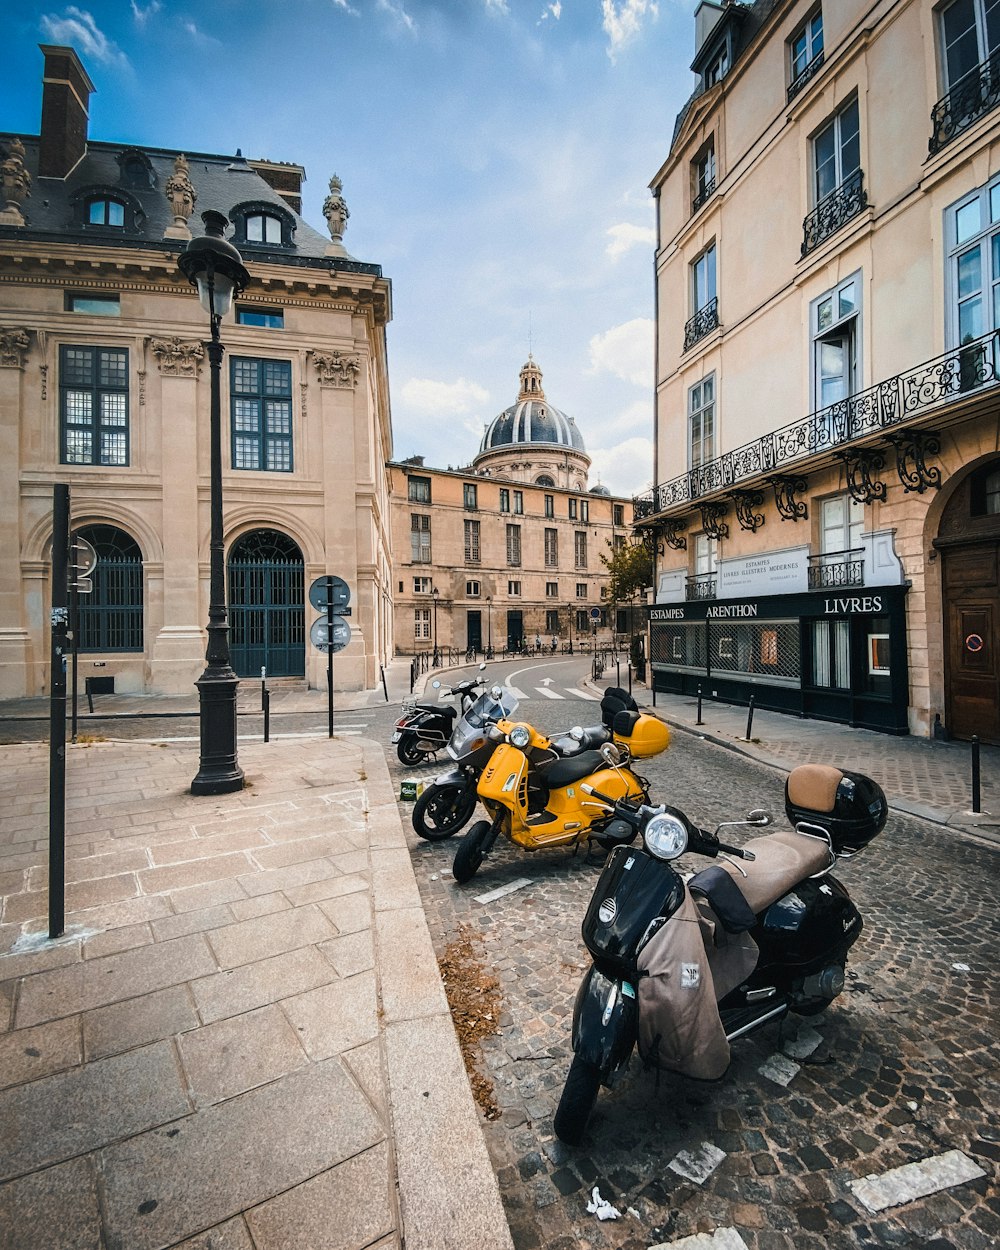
(242, 1042)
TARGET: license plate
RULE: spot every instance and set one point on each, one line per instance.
(396, 736)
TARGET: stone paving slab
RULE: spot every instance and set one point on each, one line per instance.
(230, 1047)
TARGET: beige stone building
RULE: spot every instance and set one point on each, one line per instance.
(827, 464)
(508, 550)
(104, 384)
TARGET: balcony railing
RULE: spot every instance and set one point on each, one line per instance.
(703, 322)
(972, 97)
(702, 586)
(835, 569)
(798, 83)
(707, 190)
(834, 211)
(962, 372)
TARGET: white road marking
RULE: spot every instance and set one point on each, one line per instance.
(699, 1164)
(518, 694)
(780, 1069)
(503, 890)
(916, 1180)
(721, 1239)
(591, 698)
(549, 694)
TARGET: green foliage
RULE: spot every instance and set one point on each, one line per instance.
(630, 569)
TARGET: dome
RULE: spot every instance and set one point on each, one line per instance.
(599, 489)
(532, 419)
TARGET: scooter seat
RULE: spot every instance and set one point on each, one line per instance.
(783, 859)
(564, 772)
(442, 709)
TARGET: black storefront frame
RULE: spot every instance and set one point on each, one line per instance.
(870, 701)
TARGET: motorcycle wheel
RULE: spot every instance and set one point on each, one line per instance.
(408, 751)
(442, 810)
(578, 1097)
(470, 853)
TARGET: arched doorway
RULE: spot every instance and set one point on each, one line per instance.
(969, 543)
(267, 605)
(111, 614)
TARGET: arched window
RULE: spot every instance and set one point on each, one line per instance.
(544, 480)
(111, 615)
(104, 212)
(262, 224)
(263, 228)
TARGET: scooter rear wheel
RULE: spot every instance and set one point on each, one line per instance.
(408, 751)
(442, 810)
(578, 1097)
(470, 853)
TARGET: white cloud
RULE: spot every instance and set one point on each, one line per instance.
(342, 4)
(142, 15)
(551, 10)
(625, 351)
(198, 35)
(623, 21)
(395, 9)
(625, 468)
(625, 236)
(497, 6)
(78, 28)
(452, 399)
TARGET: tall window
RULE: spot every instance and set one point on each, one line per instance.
(518, 502)
(550, 506)
(718, 67)
(422, 624)
(701, 422)
(973, 235)
(970, 34)
(472, 542)
(418, 489)
(703, 175)
(111, 615)
(835, 320)
(580, 549)
(551, 549)
(585, 510)
(571, 508)
(93, 405)
(262, 414)
(703, 280)
(552, 621)
(513, 544)
(837, 151)
(470, 496)
(420, 539)
(705, 555)
(841, 525)
(617, 514)
(805, 49)
(581, 590)
(504, 499)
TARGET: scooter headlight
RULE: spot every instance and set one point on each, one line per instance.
(519, 737)
(665, 837)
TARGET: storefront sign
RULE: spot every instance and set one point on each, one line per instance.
(852, 604)
(767, 573)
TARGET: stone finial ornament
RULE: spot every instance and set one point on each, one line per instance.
(182, 197)
(15, 182)
(336, 212)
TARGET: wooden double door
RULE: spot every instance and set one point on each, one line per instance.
(972, 643)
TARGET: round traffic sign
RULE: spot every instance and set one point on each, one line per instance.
(320, 635)
(595, 614)
(326, 590)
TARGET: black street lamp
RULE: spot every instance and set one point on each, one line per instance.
(435, 660)
(571, 622)
(489, 627)
(215, 267)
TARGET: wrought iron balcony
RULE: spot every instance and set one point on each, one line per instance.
(834, 569)
(703, 322)
(972, 97)
(849, 199)
(810, 70)
(964, 371)
(707, 190)
(702, 586)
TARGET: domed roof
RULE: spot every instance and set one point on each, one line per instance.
(599, 489)
(532, 419)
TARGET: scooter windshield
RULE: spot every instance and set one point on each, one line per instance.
(483, 712)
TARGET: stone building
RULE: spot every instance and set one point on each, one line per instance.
(827, 445)
(104, 384)
(507, 550)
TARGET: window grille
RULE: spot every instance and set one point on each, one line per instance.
(111, 615)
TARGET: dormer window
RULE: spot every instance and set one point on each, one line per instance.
(718, 67)
(106, 213)
(263, 225)
(263, 228)
(106, 208)
(136, 169)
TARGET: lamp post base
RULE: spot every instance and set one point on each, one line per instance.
(219, 771)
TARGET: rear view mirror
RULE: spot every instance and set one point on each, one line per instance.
(758, 817)
(436, 684)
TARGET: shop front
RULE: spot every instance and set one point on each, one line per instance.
(834, 654)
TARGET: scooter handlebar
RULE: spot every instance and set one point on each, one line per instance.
(714, 847)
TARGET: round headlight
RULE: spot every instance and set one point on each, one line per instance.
(665, 837)
(519, 736)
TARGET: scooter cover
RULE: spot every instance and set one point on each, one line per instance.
(679, 1024)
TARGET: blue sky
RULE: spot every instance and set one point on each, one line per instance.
(495, 155)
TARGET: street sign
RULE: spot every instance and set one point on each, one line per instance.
(320, 634)
(82, 562)
(82, 585)
(595, 614)
(329, 590)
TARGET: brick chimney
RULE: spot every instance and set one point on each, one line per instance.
(66, 89)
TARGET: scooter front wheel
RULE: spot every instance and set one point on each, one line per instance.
(408, 751)
(470, 853)
(442, 810)
(578, 1097)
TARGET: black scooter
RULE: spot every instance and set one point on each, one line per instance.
(424, 728)
(682, 967)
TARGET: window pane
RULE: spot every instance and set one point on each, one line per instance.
(847, 300)
(826, 161)
(832, 367)
(113, 447)
(79, 407)
(113, 410)
(970, 277)
(79, 445)
(968, 220)
(279, 455)
(970, 319)
(246, 414)
(255, 228)
(245, 452)
(245, 375)
(272, 230)
(116, 213)
(112, 368)
(824, 314)
(97, 212)
(279, 417)
(850, 143)
(960, 40)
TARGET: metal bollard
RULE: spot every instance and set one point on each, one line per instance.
(385, 688)
(976, 803)
(266, 699)
(699, 721)
(750, 719)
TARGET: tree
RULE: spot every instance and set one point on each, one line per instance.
(630, 568)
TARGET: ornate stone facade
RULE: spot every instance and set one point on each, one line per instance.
(182, 197)
(337, 369)
(176, 357)
(15, 181)
(14, 344)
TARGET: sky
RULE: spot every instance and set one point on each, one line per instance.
(496, 157)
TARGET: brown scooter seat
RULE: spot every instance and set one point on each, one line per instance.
(782, 860)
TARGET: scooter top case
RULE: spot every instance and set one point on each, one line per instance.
(635, 894)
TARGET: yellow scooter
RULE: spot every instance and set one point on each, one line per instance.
(542, 805)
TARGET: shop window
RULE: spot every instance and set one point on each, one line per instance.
(93, 405)
(831, 654)
(261, 410)
(878, 673)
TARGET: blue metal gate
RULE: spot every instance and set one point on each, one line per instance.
(267, 606)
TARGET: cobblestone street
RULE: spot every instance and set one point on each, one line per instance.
(902, 1067)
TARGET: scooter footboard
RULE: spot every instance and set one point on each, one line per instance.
(605, 1021)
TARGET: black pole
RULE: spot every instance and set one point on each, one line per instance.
(59, 619)
(267, 716)
(699, 721)
(385, 688)
(219, 771)
(74, 624)
(976, 803)
(750, 719)
(329, 656)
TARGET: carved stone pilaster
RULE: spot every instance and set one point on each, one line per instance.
(176, 358)
(15, 183)
(182, 197)
(336, 213)
(14, 344)
(337, 369)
